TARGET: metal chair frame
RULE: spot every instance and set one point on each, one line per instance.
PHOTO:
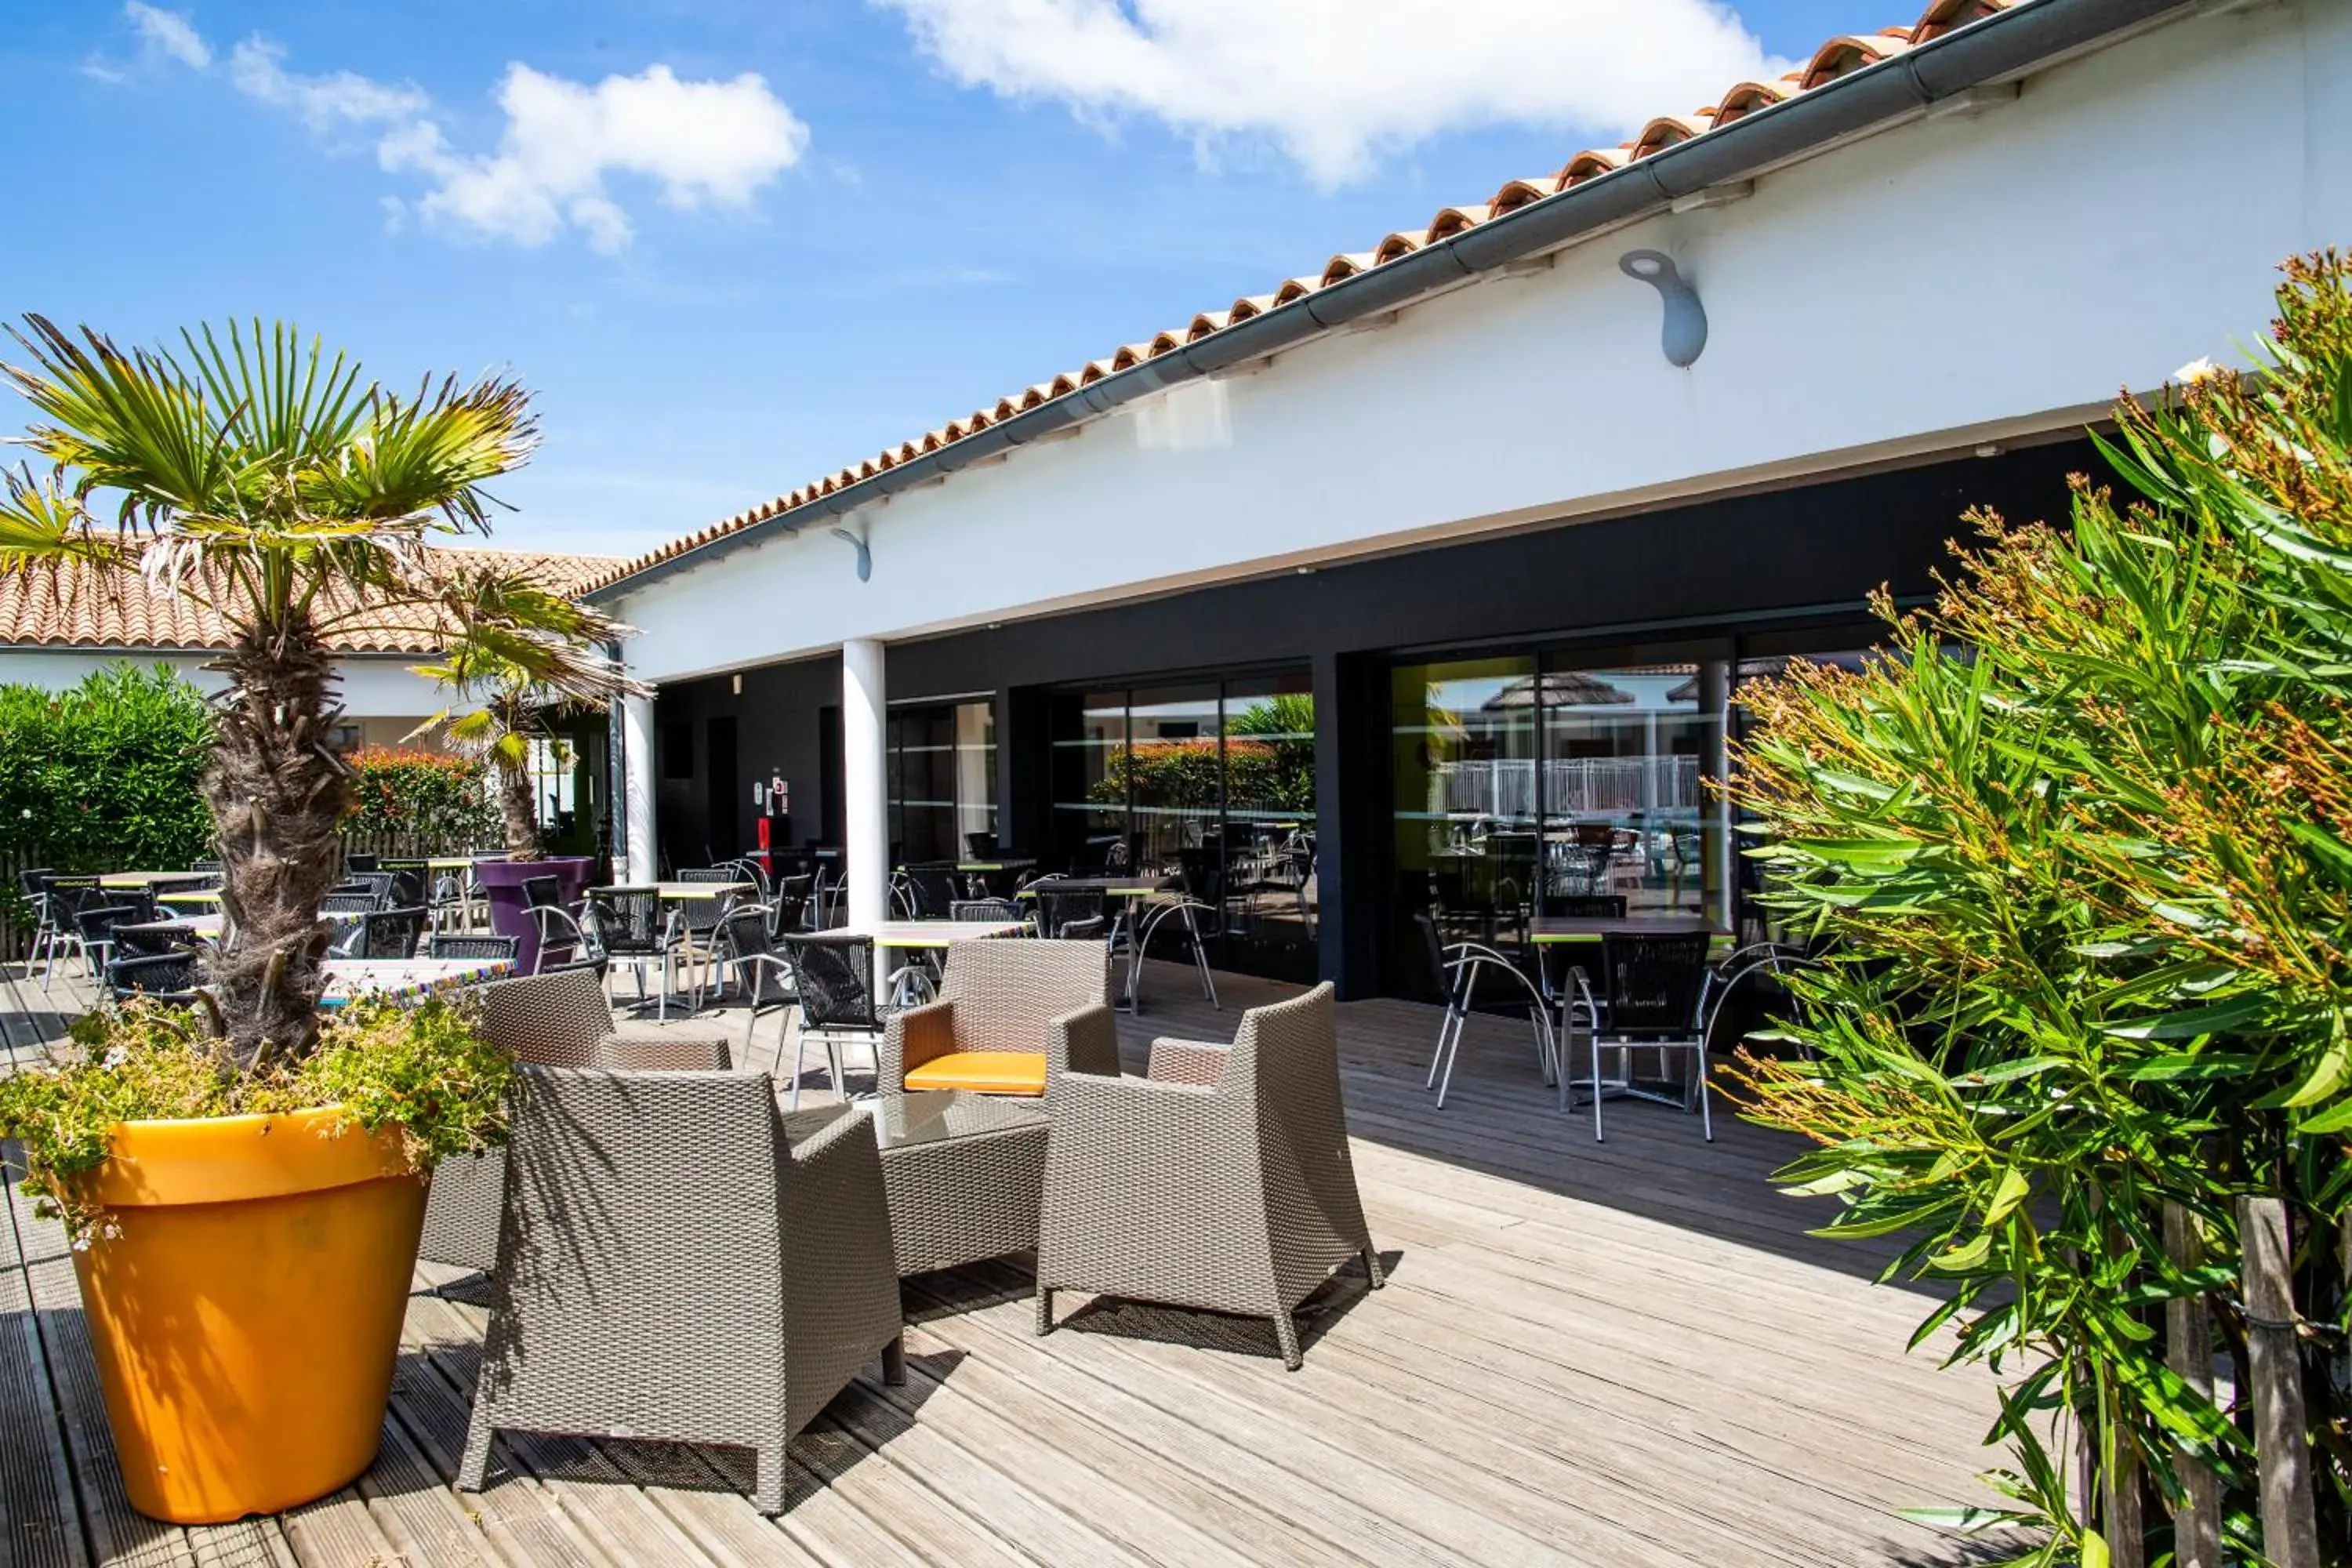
(1610, 1007)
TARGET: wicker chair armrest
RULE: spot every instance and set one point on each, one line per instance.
(837, 1225)
(1098, 1119)
(911, 1037)
(1084, 1041)
(1187, 1061)
(663, 1053)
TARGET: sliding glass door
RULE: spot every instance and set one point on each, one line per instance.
(941, 769)
(1209, 784)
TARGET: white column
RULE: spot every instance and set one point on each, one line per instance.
(867, 811)
(643, 779)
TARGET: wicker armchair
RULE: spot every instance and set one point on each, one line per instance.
(1222, 1181)
(672, 1267)
(556, 1019)
(1011, 1018)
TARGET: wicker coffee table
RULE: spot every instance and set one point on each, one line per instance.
(965, 1174)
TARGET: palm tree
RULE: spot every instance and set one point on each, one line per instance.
(502, 729)
(294, 500)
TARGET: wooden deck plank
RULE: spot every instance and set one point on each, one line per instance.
(1616, 1355)
(40, 1520)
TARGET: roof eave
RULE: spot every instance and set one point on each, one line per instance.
(2024, 38)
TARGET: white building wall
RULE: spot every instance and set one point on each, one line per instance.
(381, 694)
(1938, 286)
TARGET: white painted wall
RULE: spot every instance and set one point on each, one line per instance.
(373, 688)
(1934, 286)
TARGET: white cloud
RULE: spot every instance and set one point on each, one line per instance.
(169, 33)
(702, 142)
(256, 68)
(1333, 83)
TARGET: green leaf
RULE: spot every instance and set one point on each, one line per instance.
(2013, 1190)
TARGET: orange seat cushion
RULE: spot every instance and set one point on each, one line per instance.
(983, 1072)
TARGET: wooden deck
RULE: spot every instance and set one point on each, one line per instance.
(1618, 1354)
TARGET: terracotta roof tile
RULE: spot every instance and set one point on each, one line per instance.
(80, 606)
(1837, 58)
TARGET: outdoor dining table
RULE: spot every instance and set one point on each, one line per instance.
(128, 880)
(405, 979)
(204, 928)
(912, 981)
(190, 896)
(1546, 930)
(677, 892)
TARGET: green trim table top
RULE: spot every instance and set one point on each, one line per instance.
(1009, 863)
(146, 879)
(1545, 930)
(1109, 886)
(936, 934)
(678, 893)
(191, 896)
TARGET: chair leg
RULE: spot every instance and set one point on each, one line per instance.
(474, 1467)
(1698, 1087)
(894, 1362)
(1437, 1057)
(1373, 1270)
(800, 1062)
(1594, 1041)
(768, 1478)
(1286, 1332)
(1045, 1310)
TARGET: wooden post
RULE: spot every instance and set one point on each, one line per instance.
(2290, 1528)
(2189, 1349)
(2120, 1521)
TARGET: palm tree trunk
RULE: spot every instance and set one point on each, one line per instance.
(278, 794)
(516, 804)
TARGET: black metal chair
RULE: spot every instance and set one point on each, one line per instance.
(758, 960)
(1652, 990)
(354, 864)
(629, 925)
(833, 973)
(1057, 907)
(789, 910)
(140, 940)
(444, 944)
(388, 933)
(64, 897)
(1095, 929)
(561, 937)
(34, 884)
(95, 923)
(348, 901)
(983, 911)
(162, 977)
(932, 886)
(1459, 967)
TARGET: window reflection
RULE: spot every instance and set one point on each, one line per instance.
(940, 767)
(1209, 784)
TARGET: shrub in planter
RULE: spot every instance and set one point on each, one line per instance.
(253, 475)
(2082, 845)
(288, 1201)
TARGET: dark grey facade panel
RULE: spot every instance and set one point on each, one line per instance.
(1706, 569)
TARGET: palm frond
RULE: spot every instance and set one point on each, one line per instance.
(41, 525)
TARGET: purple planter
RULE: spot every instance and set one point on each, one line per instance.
(502, 883)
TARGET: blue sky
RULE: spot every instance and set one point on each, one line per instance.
(720, 288)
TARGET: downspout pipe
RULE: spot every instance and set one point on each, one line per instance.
(2000, 48)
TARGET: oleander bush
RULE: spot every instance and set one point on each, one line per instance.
(106, 776)
(419, 802)
(2079, 849)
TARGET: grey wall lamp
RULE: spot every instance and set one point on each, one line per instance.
(865, 552)
(1682, 336)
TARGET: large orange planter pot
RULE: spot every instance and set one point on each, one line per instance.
(245, 1305)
